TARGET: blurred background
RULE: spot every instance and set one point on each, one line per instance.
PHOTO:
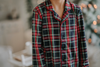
(16, 31)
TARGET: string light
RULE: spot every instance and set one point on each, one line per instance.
(95, 6)
(83, 5)
(94, 22)
(95, 30)
(89, 40)
(98, 16)
(89, 5)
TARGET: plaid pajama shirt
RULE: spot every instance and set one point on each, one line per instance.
(58, 42)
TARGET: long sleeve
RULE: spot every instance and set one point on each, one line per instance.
(83, 56)
(37, 46)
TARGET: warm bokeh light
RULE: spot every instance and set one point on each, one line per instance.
(83, 5)
(89, 40)
(89, 5)
(95, 6)
(94, 23)
(98, 16)
(95, 30)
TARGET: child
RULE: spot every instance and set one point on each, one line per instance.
(58, 35)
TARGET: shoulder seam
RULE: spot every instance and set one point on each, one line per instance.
(37, 10)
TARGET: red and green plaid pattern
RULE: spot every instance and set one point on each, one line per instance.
(58, 42)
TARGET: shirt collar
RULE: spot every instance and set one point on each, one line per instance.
(50, 7)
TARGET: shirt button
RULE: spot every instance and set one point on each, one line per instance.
(63, 46)
(63, 57)
(62, 34)
(63, 37)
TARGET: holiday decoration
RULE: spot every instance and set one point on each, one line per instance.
(92, 20)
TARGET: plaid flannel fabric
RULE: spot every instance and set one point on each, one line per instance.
(58, 42)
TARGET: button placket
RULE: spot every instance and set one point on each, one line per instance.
(62, 37)
(63, 44)
(61, 28)
(63, 57)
